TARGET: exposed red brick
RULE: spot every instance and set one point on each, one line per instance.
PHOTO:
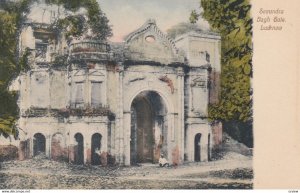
(22, 149)
(175, 156)
(88, 156)
(217, 132)
(103, 158)
(214, 92)
(8, 152)
(58, 152)
(72, 153)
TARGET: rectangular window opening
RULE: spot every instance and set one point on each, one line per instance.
(79, 100)
(96, 94)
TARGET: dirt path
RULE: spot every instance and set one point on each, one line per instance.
(232, 172)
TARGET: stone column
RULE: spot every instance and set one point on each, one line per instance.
(27, 88)
(31, 153)
(126, 138)
(49, 88)
(104, 140)
(48, 146)
(24, 96)
(171, 134)
(180, 124)
(86, 150)
(190, 144)
(119, 118)
(112, 148)
(86, 89)
(204, 143)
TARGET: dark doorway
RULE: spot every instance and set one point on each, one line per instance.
(96, 149)
(79, 149)
(142, 135)
(39, 144)
(197, 145)
(147, 124)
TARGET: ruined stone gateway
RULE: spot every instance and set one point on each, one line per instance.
(123, 103)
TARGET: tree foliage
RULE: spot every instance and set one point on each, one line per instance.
(12, 16)
(232, 20)
(182, 28)
(97, 21)
(8, 107)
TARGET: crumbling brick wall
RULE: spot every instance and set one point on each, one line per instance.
(217, 131)
(58, 152)
(24, 150)
(8, 152)
(214, 87)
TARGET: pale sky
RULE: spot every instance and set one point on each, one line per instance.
(126, 16)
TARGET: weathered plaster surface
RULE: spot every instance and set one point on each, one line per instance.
(59, 101)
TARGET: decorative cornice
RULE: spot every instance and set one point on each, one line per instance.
(66, 112)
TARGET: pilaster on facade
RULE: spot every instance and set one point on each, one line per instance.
(120, 116)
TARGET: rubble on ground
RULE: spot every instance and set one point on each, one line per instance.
(43, 173)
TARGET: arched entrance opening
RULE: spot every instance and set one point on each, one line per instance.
(58, 147)
(96, 148)
(78, 149)
(148, 139)
(197, 147)
(39, 144)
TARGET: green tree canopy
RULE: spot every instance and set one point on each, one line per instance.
(232, 20)
(97, 20)
(8, 67)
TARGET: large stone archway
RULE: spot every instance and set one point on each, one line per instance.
(148, 87)
(173, 123)
(149, 128)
